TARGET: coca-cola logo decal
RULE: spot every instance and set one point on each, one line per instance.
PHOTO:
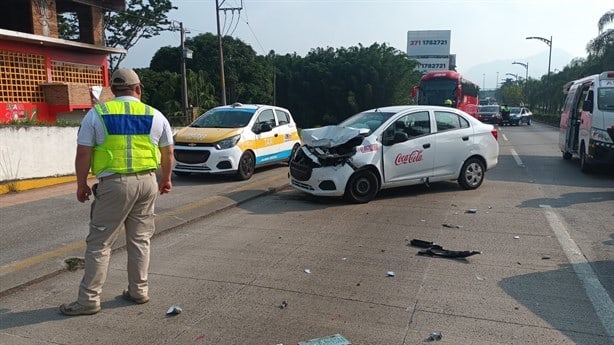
(413, 157)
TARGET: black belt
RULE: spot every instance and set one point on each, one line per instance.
(117, 175)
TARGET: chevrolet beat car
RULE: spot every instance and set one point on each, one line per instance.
(236, 139)
(391, 147)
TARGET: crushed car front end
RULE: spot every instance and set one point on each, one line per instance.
(323, 166)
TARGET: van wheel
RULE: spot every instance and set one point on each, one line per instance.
(567, 156)
(247, 165)
(362, 187)
(585, 167)
(472, 174)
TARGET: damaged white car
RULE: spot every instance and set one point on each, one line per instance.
(391, 147)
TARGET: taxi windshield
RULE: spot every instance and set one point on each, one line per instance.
(224, 118)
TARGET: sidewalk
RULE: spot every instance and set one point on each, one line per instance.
(50, 263)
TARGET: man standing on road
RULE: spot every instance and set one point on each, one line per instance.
(122, 141)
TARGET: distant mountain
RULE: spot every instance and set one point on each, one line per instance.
(486, 73)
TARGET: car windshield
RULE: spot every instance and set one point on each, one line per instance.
(224, 118)
(368, 119)
(606, 98)
(488, 109)
(515, 110)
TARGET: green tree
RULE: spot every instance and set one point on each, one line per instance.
(141, 20)
(605, 40)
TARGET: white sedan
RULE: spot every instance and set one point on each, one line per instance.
(391, 147)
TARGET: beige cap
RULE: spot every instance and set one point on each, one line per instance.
(124, 77)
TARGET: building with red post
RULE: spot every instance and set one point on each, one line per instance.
(43, 77)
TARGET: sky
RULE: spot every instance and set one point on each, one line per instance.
(486, 35)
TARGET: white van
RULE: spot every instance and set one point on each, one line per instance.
(587, 121)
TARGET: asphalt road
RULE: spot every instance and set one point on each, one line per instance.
(544, 275)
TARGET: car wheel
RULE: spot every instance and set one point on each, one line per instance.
(529, 122)
(362, 187)
(247, 165)
(182, 173)
(567, 156)
(472, 174)
(293, 152)
(585, 167)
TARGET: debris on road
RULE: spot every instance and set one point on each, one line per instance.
(434, 336)
(336, 339)
(471, 210)
(283, 305)
(433, 249)
(446, 225)
(391, 274)
(307, 270)
(516, 237)
(174, 310)
(73, 264)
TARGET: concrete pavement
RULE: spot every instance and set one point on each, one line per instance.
(232, 273)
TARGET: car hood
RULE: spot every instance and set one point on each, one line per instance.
(205, 135)
(330, 136)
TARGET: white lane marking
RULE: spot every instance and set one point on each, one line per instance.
(602, 303)
(504, 137)
(516, 157)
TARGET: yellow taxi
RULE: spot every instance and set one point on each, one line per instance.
(236, 139)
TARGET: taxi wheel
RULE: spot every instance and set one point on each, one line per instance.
(472, 174)
(247, 165)
(362, 187)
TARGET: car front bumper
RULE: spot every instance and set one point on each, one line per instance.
(206, 159)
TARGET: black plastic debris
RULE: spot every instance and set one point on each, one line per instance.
(433, 249)
(283, 305)
(452, 226)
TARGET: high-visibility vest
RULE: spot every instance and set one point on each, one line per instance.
(127, 147)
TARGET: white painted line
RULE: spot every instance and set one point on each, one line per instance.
(516, 157)
(601, 301)
(504, 137)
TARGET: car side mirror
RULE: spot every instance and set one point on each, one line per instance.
(262, 127)
(400, 137)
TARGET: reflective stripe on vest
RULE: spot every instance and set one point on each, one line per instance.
(127, 146)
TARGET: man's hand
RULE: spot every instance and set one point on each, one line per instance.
(83, 192)
(165, 186)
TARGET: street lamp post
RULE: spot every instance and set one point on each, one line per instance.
(526, 67)
(549, 43)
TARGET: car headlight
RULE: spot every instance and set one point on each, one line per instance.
(227, 143)
(600, 135)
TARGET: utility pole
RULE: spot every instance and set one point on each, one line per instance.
(184, 81)
(219, 42)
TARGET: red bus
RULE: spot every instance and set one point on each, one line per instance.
(438, 86)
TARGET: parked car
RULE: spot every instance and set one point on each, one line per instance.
(236, 139)
(518, 116)
(489, 113)
(391, 147)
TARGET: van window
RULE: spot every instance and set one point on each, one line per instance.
(605, 98)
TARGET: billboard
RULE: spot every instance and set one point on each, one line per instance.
(430, 48)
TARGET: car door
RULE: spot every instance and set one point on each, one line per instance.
(267, 144)
(286, 134)
(453, 140)
(413, 158)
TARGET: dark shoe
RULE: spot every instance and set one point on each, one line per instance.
(140, 300)
(75, 309)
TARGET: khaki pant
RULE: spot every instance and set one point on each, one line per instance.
(121, 202)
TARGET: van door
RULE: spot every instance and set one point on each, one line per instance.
(578, 94)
